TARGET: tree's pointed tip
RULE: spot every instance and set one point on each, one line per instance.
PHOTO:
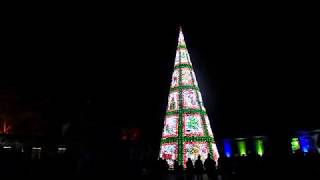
(181, 37)
(180, 28)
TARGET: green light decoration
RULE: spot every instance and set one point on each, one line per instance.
(187, 132)
(193, 123)
(259, 147)
(295, 144)
(242, 148)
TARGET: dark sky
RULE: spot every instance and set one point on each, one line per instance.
(257, 68)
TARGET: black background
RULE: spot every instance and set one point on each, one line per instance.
(256, 67)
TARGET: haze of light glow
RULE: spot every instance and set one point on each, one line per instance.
(259, 147)
(295, 144)
(227, 148)
(242, 148)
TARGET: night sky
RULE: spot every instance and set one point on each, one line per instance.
(257, 69)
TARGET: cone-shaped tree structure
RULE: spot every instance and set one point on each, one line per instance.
(187, 132)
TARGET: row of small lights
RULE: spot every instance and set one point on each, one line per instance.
(36, 148)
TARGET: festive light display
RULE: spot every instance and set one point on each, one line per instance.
(308, 141)
(304, 143)
(227, 148)
(242, 148)
(187, 132)
(259, 146)
(295, 144)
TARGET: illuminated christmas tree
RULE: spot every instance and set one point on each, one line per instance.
(187, 132)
